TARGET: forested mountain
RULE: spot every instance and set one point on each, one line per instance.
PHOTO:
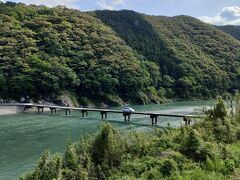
(44, 51)
(109, 56)
(198, 59)
(232, 30)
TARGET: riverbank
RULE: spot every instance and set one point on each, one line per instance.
(5, 110)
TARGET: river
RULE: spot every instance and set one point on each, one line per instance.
(25, 136)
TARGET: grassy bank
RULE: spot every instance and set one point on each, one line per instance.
(207, 150)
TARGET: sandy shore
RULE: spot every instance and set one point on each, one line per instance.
(10, 109)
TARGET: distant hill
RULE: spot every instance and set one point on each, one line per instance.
(232, 30)
(112, 56)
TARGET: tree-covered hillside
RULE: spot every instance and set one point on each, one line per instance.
(232, 30)
(198, 59)
(44, 51)
(110, 57)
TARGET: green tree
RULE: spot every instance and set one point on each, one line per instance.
(107, 148)
(219, 110)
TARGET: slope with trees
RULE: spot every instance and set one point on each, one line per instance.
(232, 30)
(199, 60)
(47, 50)
(112, 56)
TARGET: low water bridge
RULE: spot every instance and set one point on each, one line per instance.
(103, 112)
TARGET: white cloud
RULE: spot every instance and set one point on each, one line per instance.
(110, 4)
(52, 3)
(103, 4)
(228, 16)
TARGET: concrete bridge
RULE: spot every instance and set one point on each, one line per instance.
(103, 112)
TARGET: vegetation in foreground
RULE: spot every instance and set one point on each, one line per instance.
(207, 150)
(112, 57)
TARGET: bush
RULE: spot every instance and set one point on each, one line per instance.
(219, 111)
(216, 165)
(152, 174)
(108, 148)
(139, 166)
(139, 144)
(70, 158)
(198, 174)
(168, 167)
(191, 144)
(48, 168)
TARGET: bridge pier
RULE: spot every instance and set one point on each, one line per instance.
(154, 118)
(187, 121)
(127, 116)
(68, 112)
(103, 114)
(53, 110)
(84, 112)
(40, 109)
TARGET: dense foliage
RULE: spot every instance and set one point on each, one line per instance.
(45, 51)
(209, 149)
(196, 59)
(232, 30)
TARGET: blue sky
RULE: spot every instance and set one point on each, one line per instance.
(219, 12)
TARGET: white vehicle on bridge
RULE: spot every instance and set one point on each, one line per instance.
(128, 110)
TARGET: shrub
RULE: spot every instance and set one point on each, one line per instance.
(192, 144)
(198, 174)
(229, 166)
(107, 148)
(152, 174)
(70, 158)
(215, 164)
(168, 167)
(139, 144)
(48, 168)
(219, 110)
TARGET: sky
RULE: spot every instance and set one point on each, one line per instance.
(218, 12)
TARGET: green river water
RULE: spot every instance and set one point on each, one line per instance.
(25, 136)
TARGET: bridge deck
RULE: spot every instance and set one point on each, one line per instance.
(99, 110)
